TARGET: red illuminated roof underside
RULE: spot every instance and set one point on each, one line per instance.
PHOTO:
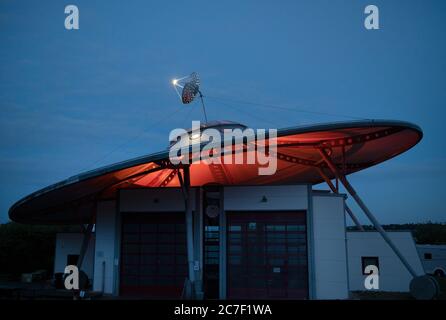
(363, 144)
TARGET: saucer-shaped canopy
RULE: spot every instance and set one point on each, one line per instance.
(353, 146)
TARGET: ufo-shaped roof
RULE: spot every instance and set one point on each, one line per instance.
(353, 146)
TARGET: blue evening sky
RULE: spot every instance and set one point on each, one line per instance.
(76, 100)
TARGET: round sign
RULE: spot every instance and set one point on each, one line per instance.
(212, 211)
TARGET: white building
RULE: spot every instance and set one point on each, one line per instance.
(334, 258)
(207, 230)
(433, 258)
(368, 247)
(303, 251)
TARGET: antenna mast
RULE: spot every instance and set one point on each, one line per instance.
(202, 104)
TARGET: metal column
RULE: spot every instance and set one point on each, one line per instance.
(185, 184)
(364, 208)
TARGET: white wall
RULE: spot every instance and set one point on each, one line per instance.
(70, 243)
(329, 247)
(153, 200)
(393, 276)
(106, 242)
(278, 198)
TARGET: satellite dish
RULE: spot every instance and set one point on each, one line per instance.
(190, 88)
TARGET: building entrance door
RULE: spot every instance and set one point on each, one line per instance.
(153, 254)
(267, 255)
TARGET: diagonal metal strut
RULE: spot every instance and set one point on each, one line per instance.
(336, 190)
(84, 246)
(366, 210)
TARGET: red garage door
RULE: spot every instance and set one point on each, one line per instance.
(153, 255)
(267, 255)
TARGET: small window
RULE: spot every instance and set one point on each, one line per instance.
(367, 261)
(428, 256)
(72, 259)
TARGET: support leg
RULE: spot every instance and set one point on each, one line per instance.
(367, 212)
(189, 227)
(335, 190)
(84, 246)
(83, 279)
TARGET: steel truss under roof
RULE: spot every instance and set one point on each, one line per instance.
(352, 146)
